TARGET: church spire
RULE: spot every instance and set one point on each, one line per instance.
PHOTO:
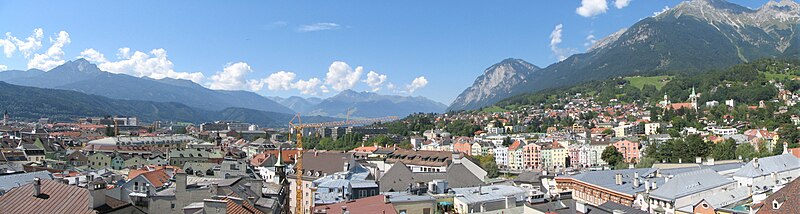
(279, 163)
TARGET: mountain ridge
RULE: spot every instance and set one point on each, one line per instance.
(693, 37)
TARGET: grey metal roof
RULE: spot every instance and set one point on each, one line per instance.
(7, 182)
(605, 178)
(689, 183)
(404, 197)
(716, 168)
(472, 195)
(399, 176)
(768, 165)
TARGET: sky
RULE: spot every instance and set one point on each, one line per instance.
(434, 49)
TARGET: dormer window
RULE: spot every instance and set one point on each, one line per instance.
(776, 205)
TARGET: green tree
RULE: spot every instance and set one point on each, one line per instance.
(725, 150)
(612, 156)
(489, 165)
(746, 151)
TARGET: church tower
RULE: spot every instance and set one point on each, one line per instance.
(5, 118)
(693, 99)
(280, 172)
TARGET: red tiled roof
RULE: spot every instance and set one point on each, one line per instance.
(156, 177)
(372, 204)
(788, 195)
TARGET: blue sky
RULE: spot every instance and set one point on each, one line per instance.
(282, 48)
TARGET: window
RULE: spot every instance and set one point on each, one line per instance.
(776, 205)
(426, 211)
(172, 206)
(403, 212)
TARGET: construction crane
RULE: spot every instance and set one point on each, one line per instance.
(298, 127)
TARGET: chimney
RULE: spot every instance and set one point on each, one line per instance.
(636, 179)
(698, 160)
(666, 178)
(346, 166)
(755, 163)
(631, 166)
(710, 161)
(386, 199)
(785, 148)
(680, 160)
(180, 182)
(456, 158)
(618, 179)
(775, 177)
(214, 188)
(655, 185)
(37, 187)
(647, 186)
(97, 193)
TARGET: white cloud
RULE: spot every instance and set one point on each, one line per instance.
(280, 80)
(319, 27)
(417, 83)
(54, 55)
(375, 80)
(8, 46)
(555, 39)
(619, 4)
(28, 45)
(233, 77)
(124, 53)
(590, 40)
(341, 77)
(666, 8)
(591, 8)
(3, 67)
(154, 64)
(324, 89)
(93, 55)
(309, 86)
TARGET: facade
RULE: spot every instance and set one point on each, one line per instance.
(598, 187)
(629, 149)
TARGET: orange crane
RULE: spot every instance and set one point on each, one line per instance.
(298, 163)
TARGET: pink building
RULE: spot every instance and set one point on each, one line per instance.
(629, 150)
(531, 156)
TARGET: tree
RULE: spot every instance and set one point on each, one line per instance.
(746, 151)
(725, 150)
(507, 141)
(612, 156)
(489, 165)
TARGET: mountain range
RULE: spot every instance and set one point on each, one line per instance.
(695, 36)
(362, 104)
(82, 76)
(165, 94)
(25, 102)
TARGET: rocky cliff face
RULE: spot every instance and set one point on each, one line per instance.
(496, 82)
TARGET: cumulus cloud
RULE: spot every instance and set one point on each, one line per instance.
(341, 77)
(93, 55)
(319, 27)
(591, 8)
(233, 77)
(8, 46)
(375, 80)
(154, 64)
(280, 80)
(555, 40)
(309, 86)
(619, 4)
(54, 56)
(3, 67)
(417, 83)
(27, 46)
